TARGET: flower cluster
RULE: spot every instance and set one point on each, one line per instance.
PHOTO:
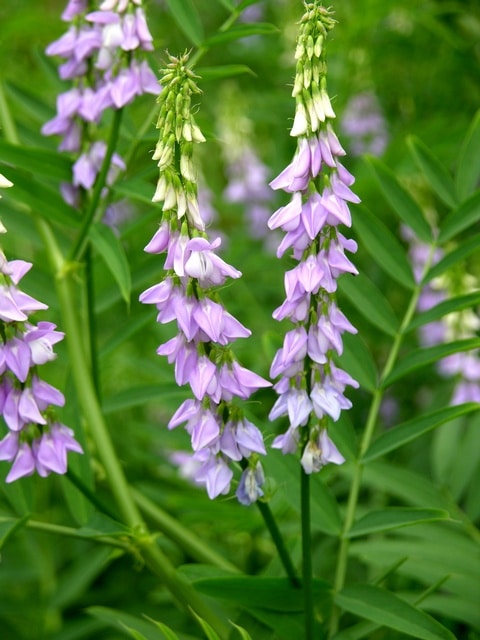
(35, 440)
(464, 367)
(101, 61)
(220, 434)
(311, 387)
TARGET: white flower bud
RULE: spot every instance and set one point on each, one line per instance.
(300, 123)
(160, 191)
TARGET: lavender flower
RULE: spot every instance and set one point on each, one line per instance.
(101, 52)
(246, 174)
(311, 387)
(35, 440)
(220, 434)
(363, 123)
(464, 367)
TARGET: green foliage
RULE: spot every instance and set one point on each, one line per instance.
(395, 530)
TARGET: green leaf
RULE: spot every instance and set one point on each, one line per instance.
(9, 526)
(400, 200)
(137, 396)
(357, 360)
(245, 635)
(101, 525)
(437, 175)
(110, 248)
(41, 198)
(468, 164)
(412, 429)
(223, 71)
(136, 189)
(241, 31)
(135, 634)
(386, 609)
(121, 621)
(444, 308)
(383, 247)
(167, 632)
(424, 356)
(324, 508)
(39, 162)
(275, 594)
(371, 303)
(466, 214)
(466, 248)
(209, 632)
(227, 4)
(393, 518)
(186, 15)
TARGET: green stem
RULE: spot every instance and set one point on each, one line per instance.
(92, 324)
(8, 125)
(277, 538)
(89, 218)
(342, 558)
(307, 567)
(158, 563)
(185, 539)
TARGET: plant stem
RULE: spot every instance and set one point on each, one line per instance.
(342, 559)
(89, 218)
(8, 125)
(277, 538)
(158, 563)
(192, 545)
(307, 567)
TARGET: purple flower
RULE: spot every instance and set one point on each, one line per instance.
(33, 442)
(311, 388)
(200, 351)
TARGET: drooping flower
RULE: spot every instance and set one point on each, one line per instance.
(311, 387)
(220, 434)
(103, 59)
(35, 440)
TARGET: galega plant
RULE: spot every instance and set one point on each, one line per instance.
(356, 464)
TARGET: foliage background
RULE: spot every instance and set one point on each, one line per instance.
(421, 59)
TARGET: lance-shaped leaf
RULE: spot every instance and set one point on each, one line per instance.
(466, 248)
(371, 303)
(110, 248)
(437, 175)
(123, 621)
(401, 201)
(466, 214)
(223, 71)
(386, 609)
(186, 15)
(358, 361)
(424, 356)
(442, 309)
(39, 162)
(394, 518)
(468, 165)
(276, 594)
(412, 429)
(383, 247)
(241, 31)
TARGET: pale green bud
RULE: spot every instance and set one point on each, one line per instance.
(318, 46)
(310, 47)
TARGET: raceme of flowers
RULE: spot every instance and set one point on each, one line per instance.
(311, 386)
(101, 50)
(220, 433)
(35, 439)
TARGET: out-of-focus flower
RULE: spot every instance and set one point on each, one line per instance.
(364, 125)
